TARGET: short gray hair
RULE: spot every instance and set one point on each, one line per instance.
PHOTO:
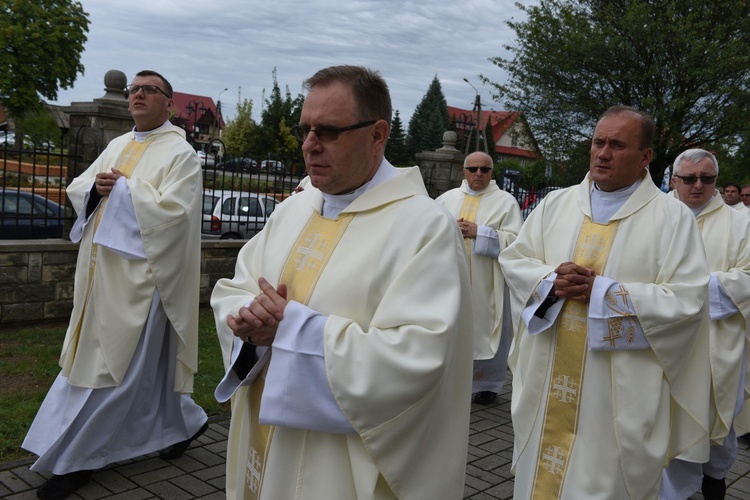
(694, 156)
(481, 153)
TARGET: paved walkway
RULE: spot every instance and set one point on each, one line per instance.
(199, 473)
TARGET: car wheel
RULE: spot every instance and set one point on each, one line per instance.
(230, 236)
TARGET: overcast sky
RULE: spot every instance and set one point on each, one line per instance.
(205, 46)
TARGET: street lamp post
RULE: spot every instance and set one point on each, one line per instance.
(219, 118)
(194, 107)
(480, 130)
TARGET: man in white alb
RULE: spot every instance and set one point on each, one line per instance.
(131, 349)
(489, 219)
(342, 327)
(608, 284)
(726, 237)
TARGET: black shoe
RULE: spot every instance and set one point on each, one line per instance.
(59, 487)
(713, 489)
(485, 398)
(176, 450)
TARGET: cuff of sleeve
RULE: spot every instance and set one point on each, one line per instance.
(487, 243)
(534, 323)
(612, 323)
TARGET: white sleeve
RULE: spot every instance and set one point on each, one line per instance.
(721, 306)
(76, 232)
(535, 321)
(296, 392)
(612, 322)
(487, 243)
(118, 230)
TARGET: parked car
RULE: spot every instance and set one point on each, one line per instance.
(235, 214)
(206, 160)
(26, 215)
(7, 140)
(273, 167)
(239, 164)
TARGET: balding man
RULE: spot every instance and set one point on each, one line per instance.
(489, 219)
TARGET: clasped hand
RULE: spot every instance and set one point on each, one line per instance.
(574, 282)
(105, 181)
(258, 322)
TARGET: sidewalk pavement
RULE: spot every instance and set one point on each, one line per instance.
(199, 473)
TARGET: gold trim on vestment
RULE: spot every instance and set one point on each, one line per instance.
(564, 397)
(469, 209)
(301, 272)
(128, 159)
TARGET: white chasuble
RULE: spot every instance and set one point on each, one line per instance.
(638, 408)
(395, 360)
(569, 356)
(498, 211)
(301, 272)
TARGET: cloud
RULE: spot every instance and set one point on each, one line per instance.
(204, 47)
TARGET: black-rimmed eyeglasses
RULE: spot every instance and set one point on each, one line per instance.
(326, 133)
(147, 89)
(473, 170)
(692, 179)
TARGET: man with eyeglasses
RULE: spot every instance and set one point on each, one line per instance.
(343, 327)
(130, 352)
(745, 195)
(608, 284)
(489, 220)
(726, 236)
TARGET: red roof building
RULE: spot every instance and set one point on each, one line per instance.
(510, 132)
(199, 116)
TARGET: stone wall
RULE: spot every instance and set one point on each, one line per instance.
(36, 277)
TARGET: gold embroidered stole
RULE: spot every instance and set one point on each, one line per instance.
(566, 381)
(301, 272)
(126, 162)
(469, 209)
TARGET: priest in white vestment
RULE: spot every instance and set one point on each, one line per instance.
(130, 351)
(608, 284)
(342, 327)
(489, 219)
(726, 237)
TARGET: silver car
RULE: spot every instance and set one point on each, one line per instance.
(235, 214)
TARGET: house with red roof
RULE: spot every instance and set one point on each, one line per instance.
(199, 116)
(511, 134)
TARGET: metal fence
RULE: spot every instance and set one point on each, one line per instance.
(34, 205)
(239, 194)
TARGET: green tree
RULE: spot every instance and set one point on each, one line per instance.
(395, 148)
(238, 133)
(273, 140)
(41, 44)
(685, 62)
(39, 126)
(429, 121)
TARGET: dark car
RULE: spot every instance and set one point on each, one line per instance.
(239, 164)
(28, 216)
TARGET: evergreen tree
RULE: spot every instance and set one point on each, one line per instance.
(273, 139)
(429, 121)
(395, 148)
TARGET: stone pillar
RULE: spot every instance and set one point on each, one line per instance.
(442, 169)
(93, 124)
